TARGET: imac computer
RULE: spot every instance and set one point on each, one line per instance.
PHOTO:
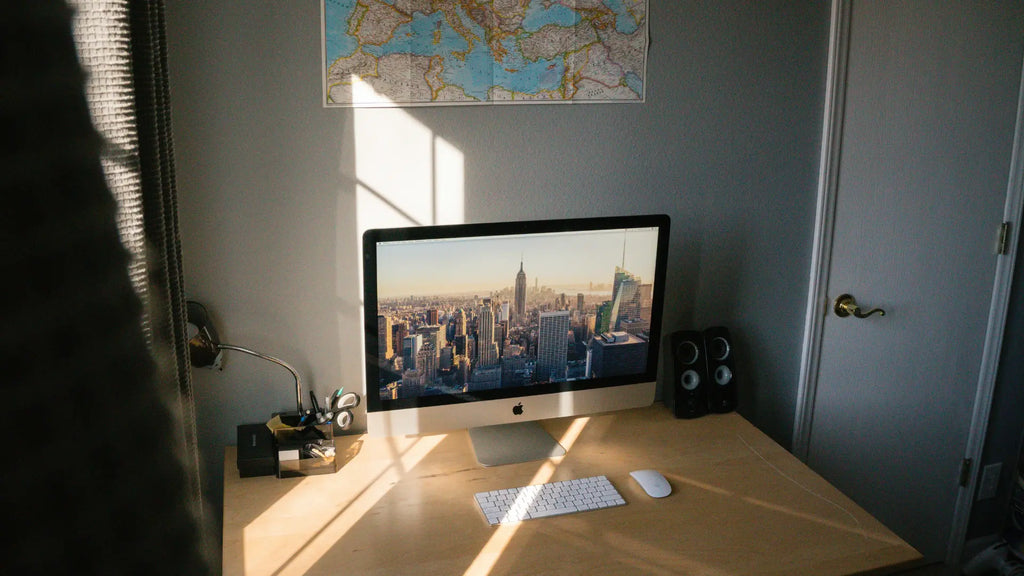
(492, 327)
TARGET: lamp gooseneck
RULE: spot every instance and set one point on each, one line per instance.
(279, 362)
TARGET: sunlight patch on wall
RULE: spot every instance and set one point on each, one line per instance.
(405, 175)
(449, 188)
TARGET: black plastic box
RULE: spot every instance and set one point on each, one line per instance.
(255, 451)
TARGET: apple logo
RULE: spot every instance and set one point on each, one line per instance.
(518, 409)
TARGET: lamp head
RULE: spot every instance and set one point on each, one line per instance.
(203, 342)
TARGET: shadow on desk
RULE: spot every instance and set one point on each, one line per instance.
(740, 505)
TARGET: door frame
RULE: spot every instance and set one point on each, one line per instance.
(821, 258)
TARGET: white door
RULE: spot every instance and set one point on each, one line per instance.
(930, 108)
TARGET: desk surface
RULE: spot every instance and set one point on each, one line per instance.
(740, 504)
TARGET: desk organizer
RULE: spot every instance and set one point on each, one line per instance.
(305, 450)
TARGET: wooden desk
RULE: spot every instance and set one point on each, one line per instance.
(740, 505)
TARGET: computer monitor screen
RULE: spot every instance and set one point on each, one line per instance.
(478, 325)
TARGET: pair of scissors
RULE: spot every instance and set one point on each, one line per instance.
(339, 407)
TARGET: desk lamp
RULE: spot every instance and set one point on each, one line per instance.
(206, 350)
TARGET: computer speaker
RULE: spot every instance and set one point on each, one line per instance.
(721, 369)
(688, 394)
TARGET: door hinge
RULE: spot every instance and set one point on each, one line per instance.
(1003, 239)
(965, 472)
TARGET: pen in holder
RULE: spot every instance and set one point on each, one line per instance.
(337, 408)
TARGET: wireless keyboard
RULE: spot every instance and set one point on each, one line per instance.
(512, 505)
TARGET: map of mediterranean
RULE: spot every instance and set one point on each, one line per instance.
(449, 52)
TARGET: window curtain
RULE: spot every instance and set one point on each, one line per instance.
(122, 46)
(102, 474)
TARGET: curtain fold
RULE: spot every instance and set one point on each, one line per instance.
(122, 45)
(160, 201)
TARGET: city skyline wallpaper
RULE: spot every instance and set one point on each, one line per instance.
(464, 315)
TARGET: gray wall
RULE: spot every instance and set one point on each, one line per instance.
(726, 144)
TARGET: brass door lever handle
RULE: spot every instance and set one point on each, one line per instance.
(845, 305)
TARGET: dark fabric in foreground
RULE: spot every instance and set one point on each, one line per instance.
(95, 487)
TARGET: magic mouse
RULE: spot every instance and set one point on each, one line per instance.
(652, 482)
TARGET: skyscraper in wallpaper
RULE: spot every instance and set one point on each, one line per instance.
(384, 344)
(520, 296)
(433, 337)
(617, 353)
(460, 322)
(552, 346)
(410, 349)
(625, 298)
(487, 346)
